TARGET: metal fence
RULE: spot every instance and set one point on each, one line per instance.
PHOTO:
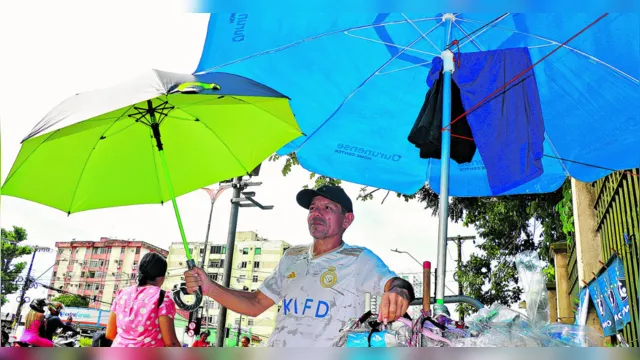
(617, 207)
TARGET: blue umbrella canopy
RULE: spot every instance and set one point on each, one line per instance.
(359, 81)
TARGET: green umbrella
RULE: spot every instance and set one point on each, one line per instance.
(149, 140)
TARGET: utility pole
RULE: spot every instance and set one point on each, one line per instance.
(458, 240)
(27, 283)
(236, 202)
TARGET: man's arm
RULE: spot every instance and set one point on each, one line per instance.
(242, 302)
(401, 287)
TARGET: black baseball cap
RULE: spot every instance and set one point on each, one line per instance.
(333, 193)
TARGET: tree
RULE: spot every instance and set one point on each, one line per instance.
(507, 225)
(11, 250)
(72, 300)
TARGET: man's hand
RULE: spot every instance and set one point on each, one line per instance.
(395, 303)
(398, 293)
(196, 278)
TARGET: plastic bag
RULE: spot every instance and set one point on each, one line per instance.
(368, 332)
(533, 283)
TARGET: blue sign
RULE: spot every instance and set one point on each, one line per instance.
(618, 285)
(609, 298)
(603, 311)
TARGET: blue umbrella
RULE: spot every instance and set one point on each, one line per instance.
(360, 81)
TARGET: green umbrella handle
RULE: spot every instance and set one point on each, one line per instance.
(177, 294)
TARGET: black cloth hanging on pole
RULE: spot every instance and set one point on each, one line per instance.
(426, 133)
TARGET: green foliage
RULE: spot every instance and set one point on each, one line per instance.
(11, 250)
(72, 300)
(565, 210)
(550, 273)
(506, 225)
(85, 342)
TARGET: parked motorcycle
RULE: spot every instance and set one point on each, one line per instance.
(68, 339)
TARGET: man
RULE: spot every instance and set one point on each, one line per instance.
(322, 285)
(52, 322)
(244, 342)
(202, 342)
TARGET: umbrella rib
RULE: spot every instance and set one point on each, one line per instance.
(424, 36)
(613, 68)
(221, 141)
(466, 34)
(310, 38)
(236, 98)
(356, 90)
(555, 151)
(75, 191)
(484, 28)
(27, 158)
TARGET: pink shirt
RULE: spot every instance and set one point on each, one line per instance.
(137, 314)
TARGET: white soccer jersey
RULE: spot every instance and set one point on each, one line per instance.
(320, 294)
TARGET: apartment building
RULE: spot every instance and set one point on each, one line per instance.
(97, 269)
(254, 259)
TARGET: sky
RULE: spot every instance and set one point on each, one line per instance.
(57, 52)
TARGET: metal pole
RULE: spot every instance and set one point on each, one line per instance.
(238, 333)
(231, 238)
(459, 242)
(25, 287)
(451, 299)
(443, 208)
(206, 238)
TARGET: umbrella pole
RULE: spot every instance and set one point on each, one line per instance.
(155, 128)
(443, 206)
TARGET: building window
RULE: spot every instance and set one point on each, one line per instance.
(77, 250)
(53, 274)
(237, 321)
(133, 276)
(218, 249)
(57, 262)
(216, 263)
(134, 265)
(255, 278)
(137, 250)
(258, 251)
(250, 322)
(241, 278)
(213, 277)
(243, 265)
(60, 251)
(202, 252)
(245, 251)
(256, 264)
(70, 274)
(121, 250)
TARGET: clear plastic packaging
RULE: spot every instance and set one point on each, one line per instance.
(533, 283)
(368, 332)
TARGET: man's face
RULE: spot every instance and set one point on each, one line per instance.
(326, 219)
(244, 342)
